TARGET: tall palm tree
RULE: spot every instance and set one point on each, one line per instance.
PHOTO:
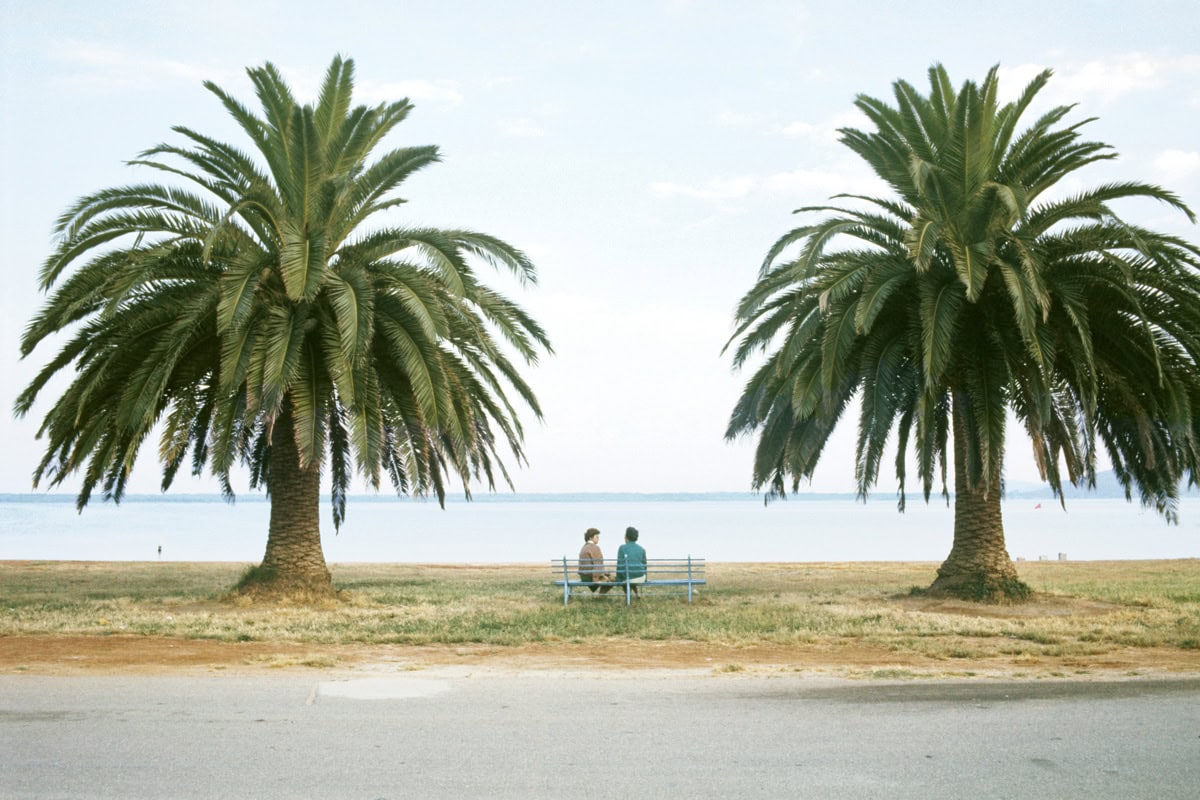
(253, 317)
(978, 288)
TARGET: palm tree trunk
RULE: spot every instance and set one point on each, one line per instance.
(294, 559)
(978, 567)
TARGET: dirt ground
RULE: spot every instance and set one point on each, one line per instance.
(148, 655)
(64, 655)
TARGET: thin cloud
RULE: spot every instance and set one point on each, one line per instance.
(523, 128)
(813, 184)
(727, 118)
(498, 81)
(823, 184)
(1113, 78)
(825, 130)
(1103, 81)
(444, 94)
(98, 67)
(803, 129)
(715, 189)
(1177, 164)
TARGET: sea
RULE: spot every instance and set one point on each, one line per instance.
(496, 529)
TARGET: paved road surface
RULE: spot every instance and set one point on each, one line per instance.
(453, 735)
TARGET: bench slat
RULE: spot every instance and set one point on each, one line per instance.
(654, 582)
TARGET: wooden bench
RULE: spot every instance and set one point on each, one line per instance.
(687, 572)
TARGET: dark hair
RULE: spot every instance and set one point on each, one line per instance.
(631, 534)
(589, 533)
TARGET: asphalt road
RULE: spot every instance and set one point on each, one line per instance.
(453, 735)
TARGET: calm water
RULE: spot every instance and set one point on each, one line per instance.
(499, 531)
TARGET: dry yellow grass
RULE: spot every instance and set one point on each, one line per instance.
(1085, 616)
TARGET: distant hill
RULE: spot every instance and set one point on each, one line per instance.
(1107, 486)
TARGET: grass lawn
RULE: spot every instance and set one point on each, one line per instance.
(1085, 616)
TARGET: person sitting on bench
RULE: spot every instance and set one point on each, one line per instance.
(591, 562)
(631, 561)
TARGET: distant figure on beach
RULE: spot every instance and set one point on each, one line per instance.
(631, 561)
(591, 562)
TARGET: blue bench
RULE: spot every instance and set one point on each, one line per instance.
(677, 572)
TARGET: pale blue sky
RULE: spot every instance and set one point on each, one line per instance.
(646, 154)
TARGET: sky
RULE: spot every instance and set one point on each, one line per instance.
(645, 154)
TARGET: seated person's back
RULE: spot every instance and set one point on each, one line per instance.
(631, 558)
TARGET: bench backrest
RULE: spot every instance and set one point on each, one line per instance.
(656, 568)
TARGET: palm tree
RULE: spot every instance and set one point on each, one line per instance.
(253, 318)
(979, 288)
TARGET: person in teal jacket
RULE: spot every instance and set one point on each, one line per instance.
(631, 560)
